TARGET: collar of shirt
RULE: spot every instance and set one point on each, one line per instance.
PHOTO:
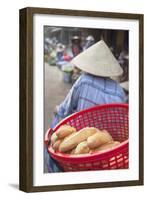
(104, 84)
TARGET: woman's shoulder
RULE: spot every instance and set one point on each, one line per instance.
(106, 85)
(84, 78)
(89, 79)
(114, 88)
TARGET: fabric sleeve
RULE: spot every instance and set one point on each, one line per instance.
(68, 106)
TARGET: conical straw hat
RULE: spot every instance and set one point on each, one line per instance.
(98, 60)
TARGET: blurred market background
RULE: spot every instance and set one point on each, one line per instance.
(61, 44)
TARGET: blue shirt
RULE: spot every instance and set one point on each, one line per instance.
(89, 91)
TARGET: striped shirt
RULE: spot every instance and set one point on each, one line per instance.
(89, 91)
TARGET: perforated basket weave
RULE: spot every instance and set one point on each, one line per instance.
(113, 118)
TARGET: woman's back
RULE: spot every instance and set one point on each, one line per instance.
(93, 90)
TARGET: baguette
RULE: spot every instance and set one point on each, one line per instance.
(72, 151)
(56, 145)
(82, 148)
(99, 138)
(106, 146)
(54, 138)
(74, 139)
(64, 131)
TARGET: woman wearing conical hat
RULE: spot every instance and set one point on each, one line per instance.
(94, 86)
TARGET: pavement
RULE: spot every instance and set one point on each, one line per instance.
(55, 92)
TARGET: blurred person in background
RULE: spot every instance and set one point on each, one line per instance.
(93, 87)
(76, 72)
(76, 45)
(76, 48)
(89, 42)
(60, 48)
(123, 60)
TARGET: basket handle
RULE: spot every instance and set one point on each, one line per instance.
(47, 136)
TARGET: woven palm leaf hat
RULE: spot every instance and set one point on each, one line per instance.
(98, 60)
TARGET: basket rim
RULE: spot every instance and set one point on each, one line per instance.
(102, 106)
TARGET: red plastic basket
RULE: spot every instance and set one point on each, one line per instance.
(113, 118)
